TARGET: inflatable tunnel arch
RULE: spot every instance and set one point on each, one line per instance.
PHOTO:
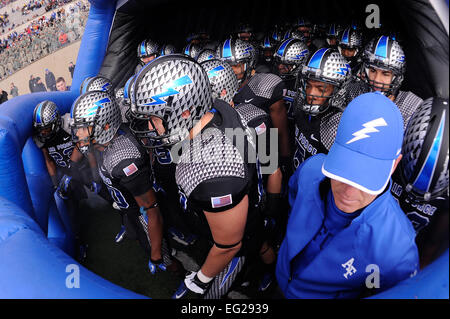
(35, 236)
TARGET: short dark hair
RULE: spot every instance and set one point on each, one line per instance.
(60, 79)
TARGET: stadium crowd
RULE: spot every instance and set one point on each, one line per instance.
(345, 187)
(42, 37)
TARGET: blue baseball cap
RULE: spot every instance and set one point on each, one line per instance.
(368, 141)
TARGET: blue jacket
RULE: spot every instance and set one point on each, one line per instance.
(381, 235)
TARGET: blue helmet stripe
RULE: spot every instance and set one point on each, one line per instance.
(316, 59)
(266, 42)
(425, 175)
(38, 113)
(143, 52)
(186, 50)
(125, 88)
(345, 39)
(226, 52)
(86, 82)
(381, 49)
(283, 46)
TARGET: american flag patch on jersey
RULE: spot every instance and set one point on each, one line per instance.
(221, 201)
(130, 169)
(260, 128)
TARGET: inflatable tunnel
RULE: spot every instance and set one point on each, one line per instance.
(36, 243)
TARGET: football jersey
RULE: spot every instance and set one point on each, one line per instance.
(314, 134)
(124, 167)
(166, 189)
(213, 175)
(262, 90)
(258, 120)
(289, 97)
(60, 148)
(406, 101)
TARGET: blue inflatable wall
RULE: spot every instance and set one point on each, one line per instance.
(35, 236)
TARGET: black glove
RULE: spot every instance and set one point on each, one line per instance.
(191, 287)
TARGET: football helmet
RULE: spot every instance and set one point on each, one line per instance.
(192, 50)
(384, 53)
(99, 112)
(46, 121)
(146, 49)
(96, 83)
(235, 51)
(328, 66)
(221, 76)
(206, 54)
(165, 89)
(424, 166)
(167, 49)
(293, 53)
(350, 39)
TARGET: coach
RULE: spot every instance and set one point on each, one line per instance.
(346, 233)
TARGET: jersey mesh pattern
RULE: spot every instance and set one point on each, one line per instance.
(249, 112)
(210, 155)
(355, 89)
(328, 128)
(407, 102)
(263, 84)
(121, 148)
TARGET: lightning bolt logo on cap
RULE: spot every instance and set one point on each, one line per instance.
(369, 127)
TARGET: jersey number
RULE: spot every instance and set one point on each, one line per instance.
(59, 159)
(163, 156)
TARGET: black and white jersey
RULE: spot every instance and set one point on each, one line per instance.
(214, 175)
(255, 118)
(406, 101)
(260, 122)
(124, 167)
(314, 134)
(262, 90)
(60, 148)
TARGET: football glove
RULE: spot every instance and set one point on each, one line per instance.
(63, 188)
